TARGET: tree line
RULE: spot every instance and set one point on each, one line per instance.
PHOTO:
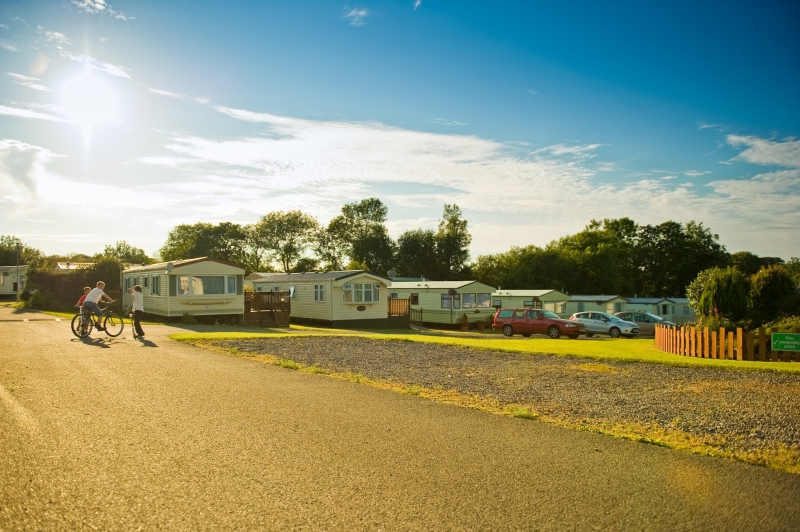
(613, 256)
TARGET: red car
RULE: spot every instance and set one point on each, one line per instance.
(527, 321)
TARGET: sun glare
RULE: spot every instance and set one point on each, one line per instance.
(89, 100)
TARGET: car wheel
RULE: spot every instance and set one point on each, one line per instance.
(614, 332)
(526, 335)
(508, 331)
(553, 332)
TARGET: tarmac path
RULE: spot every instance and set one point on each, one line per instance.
(121, 434)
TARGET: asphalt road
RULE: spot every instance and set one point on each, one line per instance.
(118, 434)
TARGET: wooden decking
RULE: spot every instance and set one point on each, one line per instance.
(267, 309)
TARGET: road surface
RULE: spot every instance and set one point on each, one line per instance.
(121, 434)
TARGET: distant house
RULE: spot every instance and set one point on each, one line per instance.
(601, 303)
(674, 309)
(203, 286)
(544, 299)
(350, 298)
(12, 278)
(70, 266)
(435, 302)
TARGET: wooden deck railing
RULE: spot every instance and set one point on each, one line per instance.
(722, 344)
(398, 307)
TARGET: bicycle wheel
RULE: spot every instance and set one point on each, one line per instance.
(113, 324)
(81, 327)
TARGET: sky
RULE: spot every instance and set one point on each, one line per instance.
(121, 119)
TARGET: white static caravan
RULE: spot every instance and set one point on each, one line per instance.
(199, 287)
(350, 298)
(11, 279)
(610, 304)
(552, 300)
(674, 309)
(432, 302)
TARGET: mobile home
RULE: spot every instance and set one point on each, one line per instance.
(552, 300)
(199, 287)
(351, 298)
(446, 302)
(12, 279)
(610, 304)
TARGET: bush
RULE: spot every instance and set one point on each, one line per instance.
(37, 301)
(188, 319)
(725, 293)
(714, 322)
(25, 296)
(772, 294)
(788, 324)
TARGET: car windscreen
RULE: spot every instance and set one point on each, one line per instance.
(549, 314)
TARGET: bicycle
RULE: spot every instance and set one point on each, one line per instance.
(82, 323)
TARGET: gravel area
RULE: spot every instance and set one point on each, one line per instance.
(737, 411)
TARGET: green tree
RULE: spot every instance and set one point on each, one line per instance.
(793, 267)
(696, 287)
(125, 253)
(415, 254)
(225, 241)
(725, 294)
(286, 235)
(10, 245)
(452, 244)
(773, 294)
(358, 233)
(749, 263)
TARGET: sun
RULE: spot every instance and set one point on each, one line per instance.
(88, 100)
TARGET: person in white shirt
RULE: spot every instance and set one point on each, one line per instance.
(93, 298)
(137, 308)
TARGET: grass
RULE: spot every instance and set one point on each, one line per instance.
(599, 349)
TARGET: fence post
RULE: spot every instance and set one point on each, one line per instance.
(749, 347)
(763, 354)
(706, 340)
(721, 351)
(739, 344)
(730, 345)
(714, 350)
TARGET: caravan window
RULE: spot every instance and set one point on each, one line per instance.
(319, 292)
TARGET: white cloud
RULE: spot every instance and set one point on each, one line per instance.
(103, 39)
(4, 27)
(9, 46)
(417, 3)
(767, 152)
(20, 166)
(667, 177)
(56, 36)
(28, 113)
(175, 95)
(27, 81)
(696, 173)
(94, 64)
(585, 151)
(204, 101)
(99, 6)
(356, 16)
(445, 122)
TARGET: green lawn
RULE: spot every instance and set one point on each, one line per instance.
(634, 350)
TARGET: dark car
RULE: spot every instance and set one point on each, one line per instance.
(647, 322)
(526, 321)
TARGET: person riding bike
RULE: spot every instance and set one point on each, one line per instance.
(91, 302)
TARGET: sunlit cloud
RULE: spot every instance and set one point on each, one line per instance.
(20, 165)
(27, 81)
(204, 101)
(767, 152)
(417, 3)
(175, 95)
(99, 6)
(4, 27)
(695, 173)
(28, 113)
(11, 47)
(94, 64)
(56, 36)
(445, 122)
(356, 16)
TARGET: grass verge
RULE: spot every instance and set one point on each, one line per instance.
(779, 456)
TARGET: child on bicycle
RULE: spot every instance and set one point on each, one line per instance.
(86, 290)
(93, 298)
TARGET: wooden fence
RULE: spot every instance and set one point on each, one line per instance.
(267, 309)
(722, 344)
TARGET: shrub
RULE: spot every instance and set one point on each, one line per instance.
(188, 319)
(25, 295)
(37, 300)
(787, 324)
(714, 322)
(772, 294)
(725, 293)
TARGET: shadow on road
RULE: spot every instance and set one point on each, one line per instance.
(95, 342)
(146, 343)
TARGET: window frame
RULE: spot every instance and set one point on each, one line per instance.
(319, 293)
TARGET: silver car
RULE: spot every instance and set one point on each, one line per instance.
(605, 323)
(647, 322)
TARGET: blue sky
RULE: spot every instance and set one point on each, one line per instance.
(122, 119)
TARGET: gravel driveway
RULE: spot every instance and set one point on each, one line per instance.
(748, 415)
